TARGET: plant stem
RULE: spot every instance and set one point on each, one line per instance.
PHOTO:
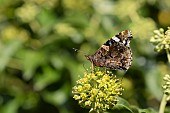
(165, 97)
(168, 55)
(163, 103)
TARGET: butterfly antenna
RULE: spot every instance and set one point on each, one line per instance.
(76, 50)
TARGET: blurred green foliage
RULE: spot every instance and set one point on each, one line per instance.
(38, 66)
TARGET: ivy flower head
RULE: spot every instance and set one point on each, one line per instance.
(97, 90)
(166, 85)
(161, 39)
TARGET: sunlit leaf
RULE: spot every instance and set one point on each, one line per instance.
(31, 60)
(7, 51)
(48, 76)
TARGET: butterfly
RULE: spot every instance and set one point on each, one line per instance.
(114, 53)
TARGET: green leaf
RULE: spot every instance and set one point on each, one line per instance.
(31, 60)
(47, 20)
(122, 106)
(57, 97)
(147, 111)
(10, 107)
(48, 76)
(7, 51)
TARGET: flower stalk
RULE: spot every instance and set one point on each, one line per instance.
(161, 41)
(168, 55)
(163, 103)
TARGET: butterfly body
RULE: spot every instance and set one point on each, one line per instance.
(115, 53)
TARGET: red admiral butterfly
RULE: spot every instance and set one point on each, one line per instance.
(115, 53)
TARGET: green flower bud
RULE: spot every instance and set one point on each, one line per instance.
(166, 85)
(161, 40)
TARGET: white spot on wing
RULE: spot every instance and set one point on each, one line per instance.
(116, 39)
(128, 43)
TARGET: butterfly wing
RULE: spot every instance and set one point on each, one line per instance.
(115, 53)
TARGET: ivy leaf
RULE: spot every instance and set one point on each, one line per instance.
(149, 110)
(122, 106)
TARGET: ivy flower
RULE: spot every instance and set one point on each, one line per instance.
(97, 90)
(166, 85)
(161, 40)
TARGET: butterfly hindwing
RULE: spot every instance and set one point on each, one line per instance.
(115, 53)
